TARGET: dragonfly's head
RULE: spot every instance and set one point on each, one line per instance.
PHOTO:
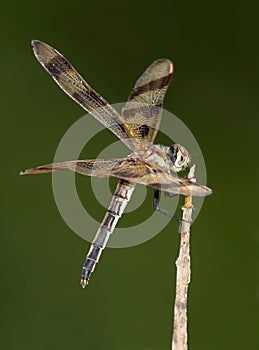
(179, 157)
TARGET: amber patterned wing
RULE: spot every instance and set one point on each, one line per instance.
(130, 169)
(143, 111)
(79, 90)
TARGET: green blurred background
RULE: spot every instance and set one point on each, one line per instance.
(129, 302)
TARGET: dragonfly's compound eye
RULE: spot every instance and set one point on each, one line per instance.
(179, 157)
(173, 152)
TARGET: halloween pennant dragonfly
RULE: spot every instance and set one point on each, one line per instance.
(137, 125)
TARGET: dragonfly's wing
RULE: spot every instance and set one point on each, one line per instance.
(130, 169)
(143, 111)
(76, 87)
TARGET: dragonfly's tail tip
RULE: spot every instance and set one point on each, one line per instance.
(84, 282)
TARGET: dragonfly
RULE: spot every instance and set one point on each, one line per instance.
(136, 126)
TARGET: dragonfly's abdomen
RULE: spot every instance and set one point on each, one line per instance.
(116, 208)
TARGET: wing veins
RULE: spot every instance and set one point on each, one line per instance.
(130, 169)
(71, 82)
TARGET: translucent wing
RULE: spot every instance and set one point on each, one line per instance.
(143, 111)
(130, 169)
(76, 87)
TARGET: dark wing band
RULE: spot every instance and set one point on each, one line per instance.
(76, 87)
(143, 111)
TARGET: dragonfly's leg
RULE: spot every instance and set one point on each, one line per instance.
(163, 211)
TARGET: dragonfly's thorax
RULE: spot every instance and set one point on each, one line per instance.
(157, 155)
(172, 159)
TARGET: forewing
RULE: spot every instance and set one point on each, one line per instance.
(77, 88)
(143, 111)
(130, 169)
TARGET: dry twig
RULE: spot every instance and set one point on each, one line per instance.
(183, 276)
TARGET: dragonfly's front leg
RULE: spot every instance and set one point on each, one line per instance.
(163, 211)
